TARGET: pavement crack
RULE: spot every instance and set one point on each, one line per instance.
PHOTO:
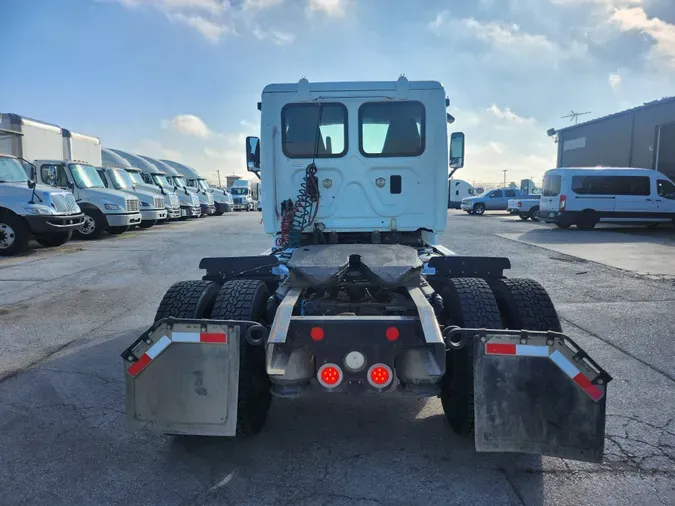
(616, 347)
(515, 490)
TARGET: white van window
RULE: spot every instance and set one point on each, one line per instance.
(551, 186)
(610, 185)
(665, 189)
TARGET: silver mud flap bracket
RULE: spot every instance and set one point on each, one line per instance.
(182, 376)
(535, 392)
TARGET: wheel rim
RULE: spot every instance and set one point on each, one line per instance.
(535, 215)
(7, 236)
(88, 225)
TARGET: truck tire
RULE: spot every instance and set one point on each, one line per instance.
(479, 209)
(525, 305)
(188, 299)
(246, 299)
(588, 220)
(147, 224)
(118, 230)
(523, 217)
(469, 302)
(534, 213)
(55, 239)
(14, 234)
(94, 225)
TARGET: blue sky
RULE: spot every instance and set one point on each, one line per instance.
(181, 78)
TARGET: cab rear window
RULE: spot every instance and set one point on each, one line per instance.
(314, 130)
(391, 129)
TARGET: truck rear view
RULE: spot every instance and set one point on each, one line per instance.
(357, 294)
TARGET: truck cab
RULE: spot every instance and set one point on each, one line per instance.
(155, 178)
(241, 195)
(105, 209)
(211, 202)
(30, 209)
(152, 205)
(189, 201)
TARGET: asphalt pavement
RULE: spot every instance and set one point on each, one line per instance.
(66, 315)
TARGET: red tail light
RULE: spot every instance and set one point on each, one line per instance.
(329, 375)
(520, 204)
(563, 202)
(316, 333)
(380, 375)
(392, 333)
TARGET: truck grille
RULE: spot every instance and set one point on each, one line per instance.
(65, 203)
(132, 205)
(159, 202)
(209, 199)
(195, 199)
(173, 199)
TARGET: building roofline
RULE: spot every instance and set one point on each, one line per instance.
(646, 105)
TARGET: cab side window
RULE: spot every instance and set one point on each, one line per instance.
(497, 194)
(665, 189)
(103, 177)
(54, 175)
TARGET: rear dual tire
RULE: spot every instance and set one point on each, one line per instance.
(240, 299)
(475, 303)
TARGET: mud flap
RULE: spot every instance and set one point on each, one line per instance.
(182, 377)
(537, 392)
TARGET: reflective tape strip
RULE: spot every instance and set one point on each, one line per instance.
(529, 350)
(158, 347)
(561, 361)
(139, 365)
(185, 337)
(500, 349)
(213, 337)
(592, 390)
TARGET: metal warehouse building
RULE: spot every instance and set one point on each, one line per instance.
(641, 137)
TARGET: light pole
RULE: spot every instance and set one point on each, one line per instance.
(219, 183)
(504, 171)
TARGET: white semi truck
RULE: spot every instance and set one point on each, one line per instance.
(241, 194)
(52, 150)
(153, 176)
(358, 295)
(211, 201)
(29, 209)
(189, 201)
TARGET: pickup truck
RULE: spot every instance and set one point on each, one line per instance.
(526, 207)
(491, 200)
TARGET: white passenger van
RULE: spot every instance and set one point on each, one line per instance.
(586, 196)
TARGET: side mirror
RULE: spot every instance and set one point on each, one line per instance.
(457, 150)
(252, 154)
(32, 184)
(71, 186)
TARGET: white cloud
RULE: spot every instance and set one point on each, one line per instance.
(210, 30)
(605, 3)
(278, 37)
(509, 116)
(259, 5)
(332, 8)
(662, 33)
(615, 80)
(188, 124)
(210, 6)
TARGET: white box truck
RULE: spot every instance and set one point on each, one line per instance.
(52, 150)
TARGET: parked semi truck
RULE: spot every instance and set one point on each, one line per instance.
(189, 201)
(30, 209)
(52, 150)
(359, 295)
(241, 195)
(155, 177)
(207, 196)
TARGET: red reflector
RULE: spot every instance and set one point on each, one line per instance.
(379, 375)
(139, 365)
(316, 333)
(392, 333)
(593, 391)
(500, 349)
(520, 204)
(210, 337)
(330, 375)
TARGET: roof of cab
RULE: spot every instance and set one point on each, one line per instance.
(389, 86)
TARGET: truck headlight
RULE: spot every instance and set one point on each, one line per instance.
(39, 210)
(113, 207)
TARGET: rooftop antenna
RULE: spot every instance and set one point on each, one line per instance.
(574, 116)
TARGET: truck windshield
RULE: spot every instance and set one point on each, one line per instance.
(11, 171)
(136, 177)
(239, 191)
(121, 179)
(160, 180)
(180, 181)
(85, 176)
(203, 185)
